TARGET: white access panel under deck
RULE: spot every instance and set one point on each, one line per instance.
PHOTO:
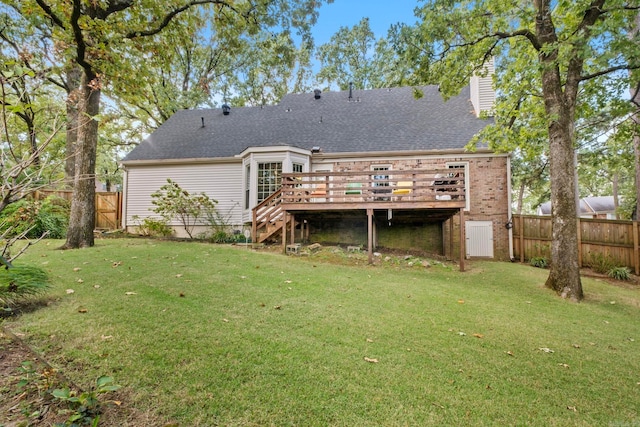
(479, 239)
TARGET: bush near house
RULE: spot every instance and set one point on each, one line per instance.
(172, 201)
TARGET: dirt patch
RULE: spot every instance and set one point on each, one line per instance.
(26, 382)
(632, 283)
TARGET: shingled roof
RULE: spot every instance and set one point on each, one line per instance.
(370, 121)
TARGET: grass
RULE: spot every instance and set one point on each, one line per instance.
(220, 335)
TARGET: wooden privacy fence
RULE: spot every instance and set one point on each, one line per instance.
(612, 239)
(108, 207)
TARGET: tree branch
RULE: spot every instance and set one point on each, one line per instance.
(54, 18)
(609, 70)
(81, 46)
(169, 17)
(635, 99)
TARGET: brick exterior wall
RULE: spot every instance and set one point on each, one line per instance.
(488, 201)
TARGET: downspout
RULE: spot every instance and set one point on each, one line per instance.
(510, 221)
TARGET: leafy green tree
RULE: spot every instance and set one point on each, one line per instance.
(353, 55)
(556, 62)
(103, 37)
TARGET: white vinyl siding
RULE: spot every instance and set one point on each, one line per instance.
(221, 182)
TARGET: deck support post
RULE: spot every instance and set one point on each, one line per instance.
(292, 219)
(463, 246)
(451, 232)
(370, 235)
(284, 231)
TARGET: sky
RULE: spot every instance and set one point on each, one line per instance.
(347, 13)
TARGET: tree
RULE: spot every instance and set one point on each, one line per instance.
(559, 54)
(23, 145)
(353, 55)
(102, 37)
(635, 116)
(24, 135)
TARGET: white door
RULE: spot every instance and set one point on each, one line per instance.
(479, 239)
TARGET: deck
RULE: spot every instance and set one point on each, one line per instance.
(439, 193)
(416, 189)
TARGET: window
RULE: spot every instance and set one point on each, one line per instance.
(464, 166)
(380, 175)
(380, 179)
(297, 168)
(269, 179)
(247, 187)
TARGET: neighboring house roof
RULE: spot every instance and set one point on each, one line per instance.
(588, 206)
(371, 121)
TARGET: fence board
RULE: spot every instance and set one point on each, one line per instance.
(613, 239)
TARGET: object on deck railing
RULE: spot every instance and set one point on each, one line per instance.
(403, 188)
(354, 188)
(446, 184)
(319, 190)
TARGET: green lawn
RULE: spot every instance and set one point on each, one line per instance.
(201, 334)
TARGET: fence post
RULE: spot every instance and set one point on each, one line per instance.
(579, 243)
(521, 227)
(636, 250)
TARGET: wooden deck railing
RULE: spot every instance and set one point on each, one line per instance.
(267, 217)
(353, 188)
(415, 189)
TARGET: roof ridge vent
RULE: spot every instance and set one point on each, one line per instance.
(317, 93)
(226, 110)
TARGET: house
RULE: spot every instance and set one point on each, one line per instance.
(603, 207)
(374, 168)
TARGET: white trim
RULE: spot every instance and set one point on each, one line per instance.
(274, 149)
(125, 190)
(434, 154)
(195, 160)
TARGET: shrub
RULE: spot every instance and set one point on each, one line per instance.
(619, 273)
(540, 262)
(36, 217)
(17, 283)
(221, 236)
(172, 201)
(600, 263)
(153, 227)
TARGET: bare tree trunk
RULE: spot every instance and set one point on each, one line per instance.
(82, 216)
(560, 102)
(564, 275)
(520, 198)
(73, 98)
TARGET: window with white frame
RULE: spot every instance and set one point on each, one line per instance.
(247, 187)
(269, 179)
(380, 178)
(464, 166)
